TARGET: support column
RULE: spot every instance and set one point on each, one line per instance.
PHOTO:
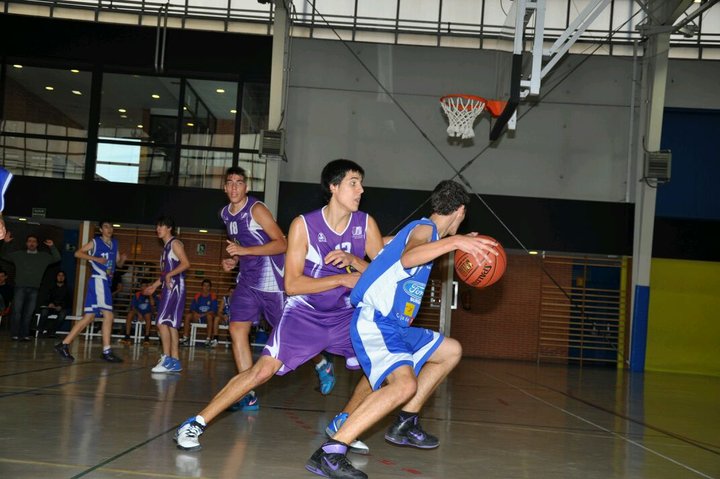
(653, 104)
(277, 100)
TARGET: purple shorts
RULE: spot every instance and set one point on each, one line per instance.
(304, 333)
(172, 303)
(247, 303)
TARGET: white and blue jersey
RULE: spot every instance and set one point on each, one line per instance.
(98, 296)
(387, 298)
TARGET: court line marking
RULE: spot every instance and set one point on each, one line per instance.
(598, 426)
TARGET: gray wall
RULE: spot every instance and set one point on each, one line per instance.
(573, 144)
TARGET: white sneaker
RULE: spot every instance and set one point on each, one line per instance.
(187, 435)
(160, 367)
(357, 446)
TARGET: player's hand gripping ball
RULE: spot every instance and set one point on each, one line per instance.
(483, 274)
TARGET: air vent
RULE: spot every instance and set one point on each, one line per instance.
(657, 165)
(272, 143)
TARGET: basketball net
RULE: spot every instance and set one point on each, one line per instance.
(462, 110)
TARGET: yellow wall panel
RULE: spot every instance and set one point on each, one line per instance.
(684, 317)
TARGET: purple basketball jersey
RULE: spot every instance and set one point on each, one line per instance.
(321, 241)
(259, 272)
(172, 300)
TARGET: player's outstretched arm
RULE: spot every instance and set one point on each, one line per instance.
(82, 253)
(420, 249)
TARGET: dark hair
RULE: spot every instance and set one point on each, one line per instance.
(334, 172)
(236, 170)
(168, 221)
(32, 236)
(102, 222)
(448, 196)
(206, 281)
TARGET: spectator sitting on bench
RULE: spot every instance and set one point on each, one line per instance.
(57, 302)
(142, 308)
(203, 310)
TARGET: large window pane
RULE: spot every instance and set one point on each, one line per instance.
(141, 107)
(255, 169)
(209, 113)
(203, 168)
(43, 157)
(46, 101)
(134, 162)
(255, 108)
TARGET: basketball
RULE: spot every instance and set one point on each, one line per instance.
(483, 274)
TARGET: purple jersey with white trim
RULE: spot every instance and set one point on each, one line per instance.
(172, 300)
(322, 240)
(259, 272)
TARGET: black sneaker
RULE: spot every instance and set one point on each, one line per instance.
(330, 461)
(63, 351)
(410, 433)
(111, 358)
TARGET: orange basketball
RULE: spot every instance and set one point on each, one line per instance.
(483, 274)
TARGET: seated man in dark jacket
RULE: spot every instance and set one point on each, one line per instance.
(58, 301)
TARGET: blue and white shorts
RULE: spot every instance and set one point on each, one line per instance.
(382, 345)
(97, 295)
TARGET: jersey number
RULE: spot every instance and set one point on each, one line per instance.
(345, 246)
(233, 228)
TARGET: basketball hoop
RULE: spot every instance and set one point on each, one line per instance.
(462, 110)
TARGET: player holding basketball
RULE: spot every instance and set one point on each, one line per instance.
(321, 246)
(411, 361)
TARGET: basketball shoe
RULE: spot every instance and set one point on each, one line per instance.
(188, 433)
(331, 461)
(357, 446)
(110, 357)
(326, 374)
(249, 402)
(63, 351)
(408, 432)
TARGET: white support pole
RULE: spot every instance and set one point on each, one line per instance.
(85, 235)
(653, 103)
(277, 100)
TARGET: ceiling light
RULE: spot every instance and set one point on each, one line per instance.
(532, 252)
(123, 116)
(185, 108)
(233, 111)
(122, 110)
(156, 96)
(75, 70)
(17, 65)
(77, 92)
(49, 88)
(140, 126)
(116, 225)
(190, 124)
(220, 90)
(203, 231)
(22, 219)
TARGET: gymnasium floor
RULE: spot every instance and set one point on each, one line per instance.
(495, 419)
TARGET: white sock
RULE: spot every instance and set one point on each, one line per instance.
(321, 364)
(200, 420)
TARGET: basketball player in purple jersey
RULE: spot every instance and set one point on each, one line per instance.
(256, 245)
(173, 264)
(103, 256)
(322, 247)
